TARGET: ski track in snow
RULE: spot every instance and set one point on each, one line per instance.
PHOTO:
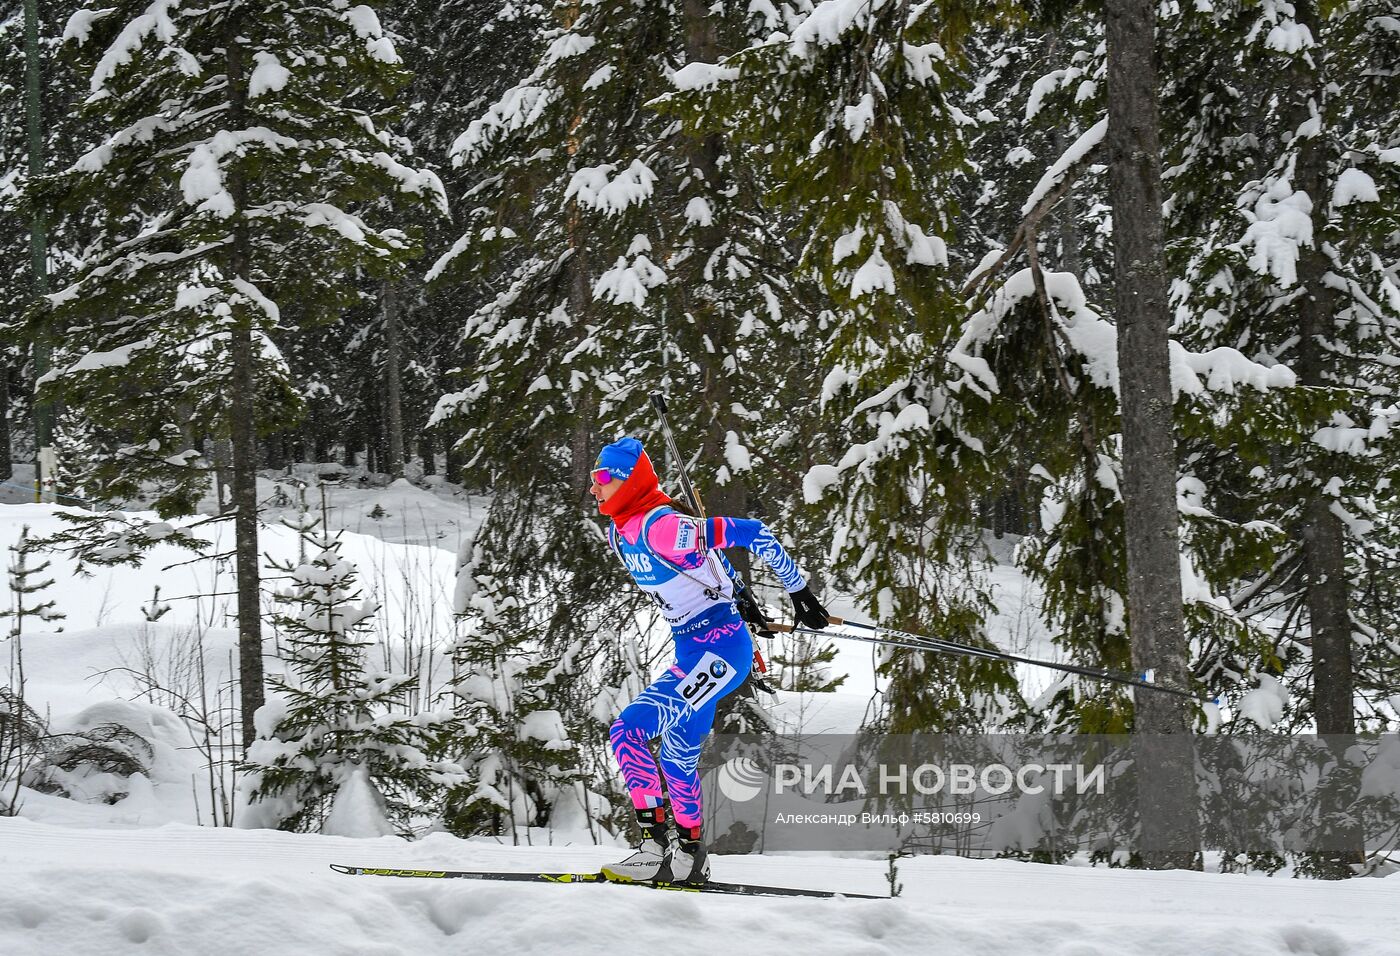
(184, 890)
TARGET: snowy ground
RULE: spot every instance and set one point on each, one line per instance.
(136, 876)
(412, 583)
(92, 671)
(187, 890)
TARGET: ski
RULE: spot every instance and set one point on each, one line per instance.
(726, 889)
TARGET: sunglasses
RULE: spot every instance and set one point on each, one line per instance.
(602, 476)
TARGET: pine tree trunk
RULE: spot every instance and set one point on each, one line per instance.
(1323, 534)
(581, 453)
(42, 347)
(1324, 554)
(314, 444)
(453, 466)
(1324, 563)
(1166, 778)
(352, 445)
(245, 500)
(376, 447)
(716, 399)
(243, 426)
(6, 467)
(223, 476)
(427, 450)
(580, 298)
(393, 386)
(703, 154)
(274, 451)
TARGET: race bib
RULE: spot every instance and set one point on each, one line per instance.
(706, 680)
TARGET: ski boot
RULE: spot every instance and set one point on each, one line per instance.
(651, 863)
(690, 863)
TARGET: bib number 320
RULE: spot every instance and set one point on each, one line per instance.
(710, 675)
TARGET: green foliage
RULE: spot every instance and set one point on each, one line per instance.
(538, 676)
(852, 123)
(624, 256)
(61, 132)
(227, 209)
(1037, 342)
(859, 141)
(26, 581)
(804, 666)
(537, 228)
(1269, 220)
(109, 538)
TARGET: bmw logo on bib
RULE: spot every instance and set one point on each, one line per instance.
(707, 680)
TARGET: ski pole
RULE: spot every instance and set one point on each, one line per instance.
(659, 403)
(920, 642)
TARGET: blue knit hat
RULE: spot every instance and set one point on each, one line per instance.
(620, 458)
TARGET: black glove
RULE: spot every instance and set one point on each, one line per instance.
(752, 614)
(807, 609)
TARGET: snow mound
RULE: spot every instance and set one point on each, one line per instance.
(218, 891)
(1265, 704)
(358, 810)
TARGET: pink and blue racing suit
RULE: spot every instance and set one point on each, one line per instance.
(714, 652)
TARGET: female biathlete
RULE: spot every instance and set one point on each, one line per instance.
(676, 559)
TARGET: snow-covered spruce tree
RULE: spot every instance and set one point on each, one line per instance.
(240, 143)
(548, 202)
(1284, 236)
(1039, 341)
(335, 752)
(1279, 233)
(369, 383)
(1032, 93)
(804, 666)
(17, 290)
(465, 55)
(862, 145)
(26, 581)
(535, 696)
(628, 258)
(1031, 87)
(536, 219)
(1035, 90)
(587, 211)
(1168, 817)
(736, 307)
(1286, 243)
(60, 131)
